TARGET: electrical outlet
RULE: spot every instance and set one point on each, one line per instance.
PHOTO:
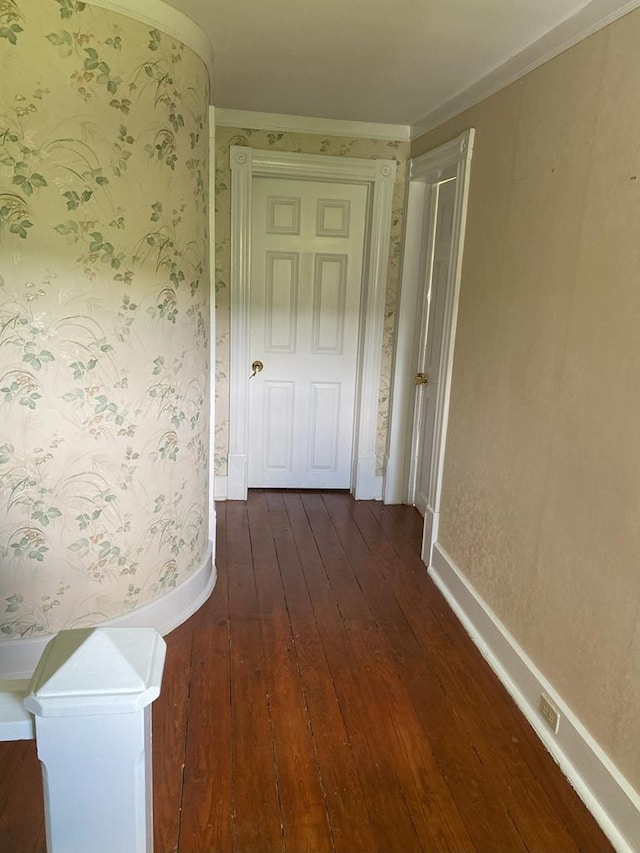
(550, 714)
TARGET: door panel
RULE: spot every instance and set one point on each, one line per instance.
(281, 301)
(277, 436)
(324, 426)
(329, 298)
(307, 262)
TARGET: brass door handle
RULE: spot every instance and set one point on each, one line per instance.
(256, 366)
(421, 379)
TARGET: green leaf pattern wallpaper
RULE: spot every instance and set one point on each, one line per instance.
(104, 315)
(303, 143)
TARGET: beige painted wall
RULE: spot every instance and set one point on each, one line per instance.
(541, 495)
(302, 143)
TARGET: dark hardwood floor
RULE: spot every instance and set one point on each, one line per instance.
(326, 699)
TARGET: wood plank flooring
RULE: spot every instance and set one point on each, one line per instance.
(326, 699)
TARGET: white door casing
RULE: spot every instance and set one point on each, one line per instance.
(452, 160)
(379, 175)
(307, 257)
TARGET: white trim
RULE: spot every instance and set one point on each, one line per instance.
(237, 461)
(592, 17)
(369, 484)
(310, 124)
(429, 534)
(403, 389)
(18, 658)
(318, 167)
(221, 488)
(452, 158)
(163, 17)
(431, 164)
(603, 789)
(212, 325)
(16, 723)
(247, 163)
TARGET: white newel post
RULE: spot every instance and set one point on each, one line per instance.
(91, 695)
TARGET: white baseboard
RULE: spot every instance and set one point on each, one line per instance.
(429, 534)
(368, 483)
(16, 723)
(603, 789)
(372, 487)
(237, 470)
(221, 488)
(18, 658)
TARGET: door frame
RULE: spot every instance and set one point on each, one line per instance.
(452, 158)
(246, 164)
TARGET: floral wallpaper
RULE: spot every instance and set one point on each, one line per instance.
(104, 315)
(304, 143)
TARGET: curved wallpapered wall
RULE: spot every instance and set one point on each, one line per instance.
(104, 315)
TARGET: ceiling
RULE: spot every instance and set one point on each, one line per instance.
(379, 61)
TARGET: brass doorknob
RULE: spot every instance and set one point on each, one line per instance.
(421, 379)
(256, 366)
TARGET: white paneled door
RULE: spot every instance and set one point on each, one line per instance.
(438, 270)
(307, 252)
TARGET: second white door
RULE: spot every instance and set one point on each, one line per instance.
(306, 280)
(437, 274)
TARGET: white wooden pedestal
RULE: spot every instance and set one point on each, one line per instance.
(91, 695)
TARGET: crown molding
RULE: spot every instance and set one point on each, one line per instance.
(163, 17)
(310, 124)
(591, 18)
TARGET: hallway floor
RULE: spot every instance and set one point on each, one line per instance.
(326, 699)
